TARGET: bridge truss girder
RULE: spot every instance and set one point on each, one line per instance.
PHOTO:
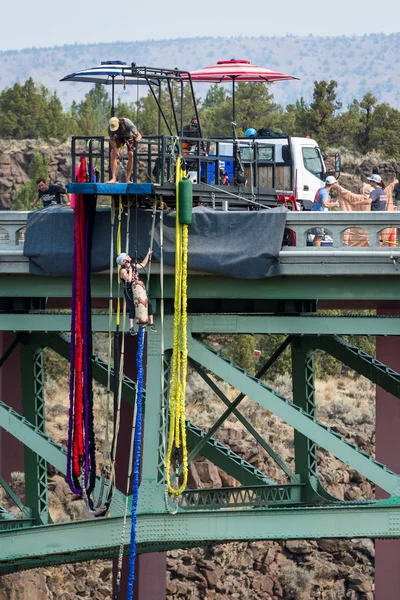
(205, 515)
(76, 541)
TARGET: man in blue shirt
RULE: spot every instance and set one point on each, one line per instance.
(378, 194)
(323, 202)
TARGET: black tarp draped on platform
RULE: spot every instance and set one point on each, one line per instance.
(242, 244)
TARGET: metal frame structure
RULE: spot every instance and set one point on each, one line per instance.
(259, 508)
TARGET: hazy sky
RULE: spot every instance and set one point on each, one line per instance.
(45, 23)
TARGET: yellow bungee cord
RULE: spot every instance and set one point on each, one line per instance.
(177, 406)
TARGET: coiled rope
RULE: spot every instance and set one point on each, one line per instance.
(177, 408)
(81, 451)
(137, 457)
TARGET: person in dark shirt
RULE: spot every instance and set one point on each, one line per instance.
(49, 193)
(378, 194)
(122, 132)
(396, 191)
(192, 130)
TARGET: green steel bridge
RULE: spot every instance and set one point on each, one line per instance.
(258, 509)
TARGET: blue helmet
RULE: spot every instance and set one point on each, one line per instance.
(250, 132)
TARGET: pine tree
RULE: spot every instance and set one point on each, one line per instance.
(320, 119)
(255, 107)
(241, 352)
(29, 111)
(94, 111)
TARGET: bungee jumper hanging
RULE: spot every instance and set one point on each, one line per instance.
(135, 291)
(139, 304)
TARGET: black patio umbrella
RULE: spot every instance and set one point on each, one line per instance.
(110, 72)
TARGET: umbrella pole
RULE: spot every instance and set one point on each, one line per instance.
(233, 101)
(112, 99)
(159, 112)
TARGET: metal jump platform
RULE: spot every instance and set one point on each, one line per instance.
(239, 174)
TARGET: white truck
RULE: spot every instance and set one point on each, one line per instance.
(274, 170)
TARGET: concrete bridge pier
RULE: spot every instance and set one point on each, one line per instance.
(387, 559)
(11, 450)
(150, 573)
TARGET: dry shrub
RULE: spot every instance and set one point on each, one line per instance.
(296, 582)
(282, 385)
(203, 405)
(326, 391)
(18, 483)
(348, 411)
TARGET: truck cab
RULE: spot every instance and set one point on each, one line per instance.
(308, 168)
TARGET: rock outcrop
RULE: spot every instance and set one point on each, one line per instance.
(15, 160)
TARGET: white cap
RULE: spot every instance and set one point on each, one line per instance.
(120, 258)
(376, 178)
(113, 123)
(330, 180)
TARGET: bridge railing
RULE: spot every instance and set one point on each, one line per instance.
(378, 232)
(344, 231)
(12, 231)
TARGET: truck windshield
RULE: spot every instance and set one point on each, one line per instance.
(312, 161)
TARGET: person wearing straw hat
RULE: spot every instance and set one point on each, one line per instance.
(122, 132)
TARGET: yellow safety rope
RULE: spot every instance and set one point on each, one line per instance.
(177, 407)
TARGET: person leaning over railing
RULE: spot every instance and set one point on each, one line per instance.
(322, 203)
(122, 132)
(49, 193)
(348, 202)
(375, 194)
(384, 201)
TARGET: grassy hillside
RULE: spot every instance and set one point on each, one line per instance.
(358, 63)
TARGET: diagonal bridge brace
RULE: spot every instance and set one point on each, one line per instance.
(214, 451)
(358, 360)
(232, 408)
(34, 439)
(60, 343)
(295, 417)
(223, 457)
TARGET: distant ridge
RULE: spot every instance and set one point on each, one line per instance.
(358, 63)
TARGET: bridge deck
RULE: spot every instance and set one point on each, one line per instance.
(300, 260)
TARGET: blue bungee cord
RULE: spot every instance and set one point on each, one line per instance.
(136, 463)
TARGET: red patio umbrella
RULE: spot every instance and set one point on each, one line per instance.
(237, 70)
